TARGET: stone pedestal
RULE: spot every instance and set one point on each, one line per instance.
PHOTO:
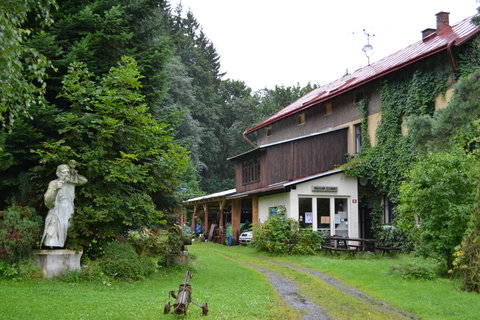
(57, 262)
(177, 259)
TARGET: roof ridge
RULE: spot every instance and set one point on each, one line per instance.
(416, 51)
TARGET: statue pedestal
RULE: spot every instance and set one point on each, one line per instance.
(180, 259)
(57, 262)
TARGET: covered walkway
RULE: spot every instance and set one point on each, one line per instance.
(217, 211)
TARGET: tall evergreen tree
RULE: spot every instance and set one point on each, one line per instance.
(133, 165)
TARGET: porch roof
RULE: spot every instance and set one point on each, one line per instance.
(282, 186)
(211, 197)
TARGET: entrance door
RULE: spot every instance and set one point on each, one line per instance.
(341, 217)
(323, 215)
(305, 212)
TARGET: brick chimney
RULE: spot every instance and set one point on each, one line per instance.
(427, 32)
(442, 20)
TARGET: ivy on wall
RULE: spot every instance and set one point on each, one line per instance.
(409, 95)
(468, 58)
(385, 164)
(362, 106)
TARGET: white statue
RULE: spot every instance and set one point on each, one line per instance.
(59, 199)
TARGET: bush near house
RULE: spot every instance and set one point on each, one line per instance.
(20, 230)
(282, 235)
(440, 192)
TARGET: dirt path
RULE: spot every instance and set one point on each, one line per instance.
(290, 294)
(316, 295)
(351, 291)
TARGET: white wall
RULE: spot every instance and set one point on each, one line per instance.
(346, 188)
(273, 200)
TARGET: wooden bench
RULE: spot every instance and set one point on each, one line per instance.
(332, 244)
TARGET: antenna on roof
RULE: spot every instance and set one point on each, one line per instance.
(368, 48)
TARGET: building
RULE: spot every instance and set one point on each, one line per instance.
(297, 157)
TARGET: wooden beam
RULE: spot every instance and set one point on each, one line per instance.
(254, 211)
(236, 214)
(192, 225)
(222, 207)
(205, 210)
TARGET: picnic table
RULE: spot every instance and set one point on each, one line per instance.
(353, 245)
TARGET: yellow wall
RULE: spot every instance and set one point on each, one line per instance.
(441, 100)
(373, 121)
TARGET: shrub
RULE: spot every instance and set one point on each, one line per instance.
(393, 237)
(23, 270)
(8, 270)
(308, 242)
(280, 235)
(19, 232)
(414, 271)
(176, 241)
(122, 262)
(91, 272)
(440, 192)
(146, 241)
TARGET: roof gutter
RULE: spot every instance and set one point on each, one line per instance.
(244, 134)
(452, 58)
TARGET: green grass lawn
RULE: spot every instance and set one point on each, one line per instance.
(429, 299)
(232, 290)
(439, 298)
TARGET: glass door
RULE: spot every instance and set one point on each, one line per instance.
(323, 215)
(341, 217)
(305, 212)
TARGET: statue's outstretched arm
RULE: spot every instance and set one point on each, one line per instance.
(77, 179)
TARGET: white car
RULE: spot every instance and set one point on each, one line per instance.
(246, 237)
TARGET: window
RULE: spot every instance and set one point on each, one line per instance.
(268, 131)
(388, 211)
(272, 211)
(328, 108)
(251, 170)
(301, 118)
(358, 137)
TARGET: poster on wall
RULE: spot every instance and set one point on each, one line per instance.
(325, 219)
(308, 217)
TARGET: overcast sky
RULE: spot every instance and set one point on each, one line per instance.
(284, 42)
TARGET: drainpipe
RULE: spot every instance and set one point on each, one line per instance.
(248, 140)
(452, 59)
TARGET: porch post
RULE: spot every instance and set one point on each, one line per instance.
(192, 225)
(222, 206)
(255, 211)
(205, 210)
(236, 212)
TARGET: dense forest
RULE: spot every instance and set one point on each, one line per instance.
(132, 91)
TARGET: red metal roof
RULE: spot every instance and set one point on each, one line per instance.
(452, 35)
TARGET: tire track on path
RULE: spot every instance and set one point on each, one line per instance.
(308, 300)
(351, 291)
(290, 294)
